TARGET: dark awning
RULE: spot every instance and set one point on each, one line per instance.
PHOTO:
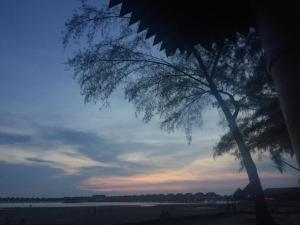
(180, 24)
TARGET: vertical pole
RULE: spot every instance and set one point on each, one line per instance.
(278, 27)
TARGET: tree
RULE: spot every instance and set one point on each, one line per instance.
(176, 88)
(263, 128)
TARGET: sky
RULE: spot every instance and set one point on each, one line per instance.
(53, 145)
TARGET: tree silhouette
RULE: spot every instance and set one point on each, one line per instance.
(176, 88)
(264, 128)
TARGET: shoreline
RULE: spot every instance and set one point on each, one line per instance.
(99, 204)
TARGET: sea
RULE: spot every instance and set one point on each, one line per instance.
(78, 204)
(92, 204)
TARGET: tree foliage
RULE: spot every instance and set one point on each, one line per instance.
(263, 128)
(174, 88)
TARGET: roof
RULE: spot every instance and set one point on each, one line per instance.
(238, 194)
(179, 24)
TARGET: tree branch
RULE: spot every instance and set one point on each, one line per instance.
(88, 19)
(289, 165)
(193, 100)
(156, 62)
(213, 70)
(234, 102)
(213, 86)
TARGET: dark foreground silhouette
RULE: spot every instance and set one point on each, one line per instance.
(285, 213)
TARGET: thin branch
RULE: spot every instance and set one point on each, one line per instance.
(189, 76)
(202, 66)
(236, 112)
(155, 62)
(213, 86)
(234, 102)
(228, 94)
(289, 165)
(196, 94)
(213, 70)
(88, 19)
(193, 100)
(164, 62)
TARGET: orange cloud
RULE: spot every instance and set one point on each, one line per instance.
(198, 172)
(176, 180)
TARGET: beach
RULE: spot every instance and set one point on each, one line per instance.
(189, 214)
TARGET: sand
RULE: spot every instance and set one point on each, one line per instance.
(162, 214)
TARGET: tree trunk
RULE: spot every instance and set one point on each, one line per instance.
(263, 216)
(278, 27)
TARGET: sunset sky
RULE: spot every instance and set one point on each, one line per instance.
(52, 144)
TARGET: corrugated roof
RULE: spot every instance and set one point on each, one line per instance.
(185, 23)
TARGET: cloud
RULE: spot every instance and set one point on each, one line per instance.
(151, 163)
(92, 144)
(148, 152)
(12, 138)
(155, 159)
(71, 151)
(200, 174)
(69, 160)
(69, 136)
(167, 179)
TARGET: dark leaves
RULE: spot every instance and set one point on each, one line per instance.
(175, 88)
(264, 128)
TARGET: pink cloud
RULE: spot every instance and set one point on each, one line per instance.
(199, 174)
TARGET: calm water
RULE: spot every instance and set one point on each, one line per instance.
(81, 204)
(87, 204)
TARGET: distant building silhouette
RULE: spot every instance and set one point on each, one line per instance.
(290, 194)
(287, 194)
(246, 193)
(239, 195)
